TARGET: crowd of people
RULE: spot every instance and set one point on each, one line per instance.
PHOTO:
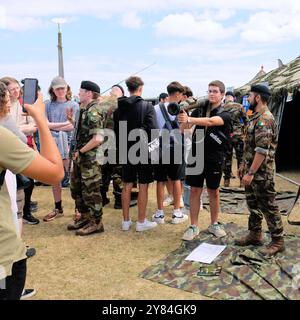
(63, 139)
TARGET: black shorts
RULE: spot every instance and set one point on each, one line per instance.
(140, 173)
(164, 172)
(212, 174)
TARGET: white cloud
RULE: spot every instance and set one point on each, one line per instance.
(187, 25)
(3, 21)
(131, 20)
(270, 27)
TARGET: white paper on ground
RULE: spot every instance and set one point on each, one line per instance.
(206, 253)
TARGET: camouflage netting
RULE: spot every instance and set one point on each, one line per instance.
(281, 80)
(233, 201)
(245, 275)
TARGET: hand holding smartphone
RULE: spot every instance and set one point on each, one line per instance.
(30, 92)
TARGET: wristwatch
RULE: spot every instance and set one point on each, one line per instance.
(251, 172)
(80, 153)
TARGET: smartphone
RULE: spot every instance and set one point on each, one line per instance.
(30, 91)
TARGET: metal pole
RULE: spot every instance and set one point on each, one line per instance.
(61, 72)
(287, 179)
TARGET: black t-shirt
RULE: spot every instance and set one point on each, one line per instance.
(217, 137)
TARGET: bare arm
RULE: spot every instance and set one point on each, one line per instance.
(28, 129)
(47, 166)
(57, 125)
(92, 144)
(188, 122)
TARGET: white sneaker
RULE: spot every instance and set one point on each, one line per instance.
(217, 230)
(147, 225)
(159, 219)
(190, 233)
(28, 293)
(126, 225)
(168, 201)
(180, 219)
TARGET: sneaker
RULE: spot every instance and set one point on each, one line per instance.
(56, 213)
(179, 219)
(168, 201)
(159, 218)
(30, 219)
(28, 293)
(217, 230)
(190, 233)
(30, 252)
(147, 225)
(126, 225)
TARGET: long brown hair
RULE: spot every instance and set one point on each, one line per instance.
(3, 100)
(54, 98)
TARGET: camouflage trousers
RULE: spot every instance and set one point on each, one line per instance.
(112, 172)
(85, 188)
(236, 143)
(260, 196)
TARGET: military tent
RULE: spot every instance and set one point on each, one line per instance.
(284, 83)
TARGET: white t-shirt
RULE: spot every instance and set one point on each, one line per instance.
(159, 116)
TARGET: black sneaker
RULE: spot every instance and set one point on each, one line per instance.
(28, 293)
(30, 219)
(30, 252)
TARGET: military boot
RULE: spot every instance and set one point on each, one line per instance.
(79, 221)
(226, 183)
(254, 238)
(275, 246)
(92, 227)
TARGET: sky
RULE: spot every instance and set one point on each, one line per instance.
(190, 41)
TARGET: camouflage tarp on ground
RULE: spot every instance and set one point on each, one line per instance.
(233, 201)
(245, 274)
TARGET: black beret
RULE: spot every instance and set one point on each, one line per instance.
(120, 87)
(230, 93)
(260, 88)
(90, 86)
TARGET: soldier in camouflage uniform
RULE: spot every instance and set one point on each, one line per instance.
(237, 113)
(258, 169)
(86, 175)
(114, 171)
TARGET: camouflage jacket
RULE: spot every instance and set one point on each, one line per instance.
(237, 112)
(261, 137)
(108, 105)
(91, 121)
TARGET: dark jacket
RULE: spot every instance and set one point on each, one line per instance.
(138, 114)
